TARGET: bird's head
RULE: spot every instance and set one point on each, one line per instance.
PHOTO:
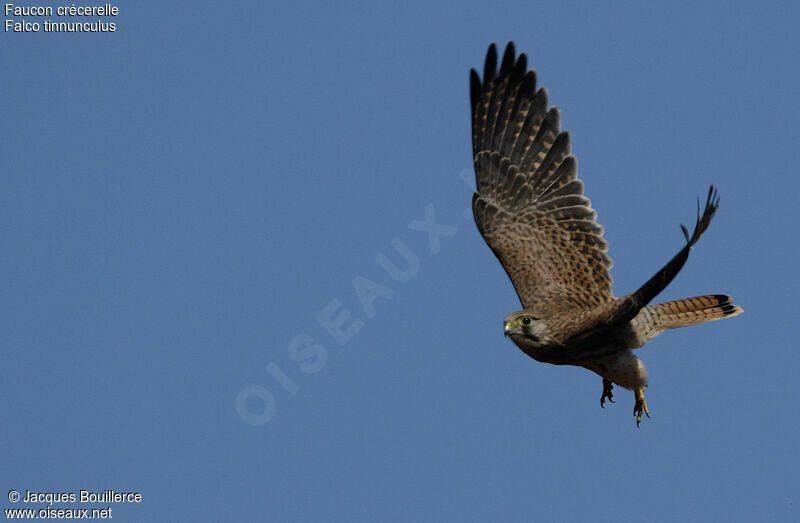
(526, 330)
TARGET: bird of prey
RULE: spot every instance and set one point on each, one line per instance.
(530, 208)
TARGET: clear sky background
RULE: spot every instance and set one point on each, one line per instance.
(182, 199)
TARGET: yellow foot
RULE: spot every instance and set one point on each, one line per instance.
(607, 386)
(641, 405)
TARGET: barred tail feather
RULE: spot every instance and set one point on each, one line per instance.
(690, 311)
(653, 319)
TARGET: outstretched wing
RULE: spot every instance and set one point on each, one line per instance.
(626, 308)
(529, 204)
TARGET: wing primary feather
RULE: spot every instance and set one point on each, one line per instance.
(508, 59)
(544, 139)
(490, 66)
(474, 88)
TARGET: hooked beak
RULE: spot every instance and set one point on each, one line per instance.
(507, 328)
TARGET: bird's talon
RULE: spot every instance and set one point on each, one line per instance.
(607, 394)
(640, 406)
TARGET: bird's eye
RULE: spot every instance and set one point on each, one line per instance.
(525, 320)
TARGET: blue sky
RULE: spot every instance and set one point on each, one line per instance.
(182, 200)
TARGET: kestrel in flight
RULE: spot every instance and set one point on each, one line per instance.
(529, 207)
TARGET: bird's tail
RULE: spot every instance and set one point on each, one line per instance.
(653, 319)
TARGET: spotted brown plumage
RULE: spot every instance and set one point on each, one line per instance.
(530, 208)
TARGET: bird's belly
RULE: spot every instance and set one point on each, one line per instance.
(622, 368)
